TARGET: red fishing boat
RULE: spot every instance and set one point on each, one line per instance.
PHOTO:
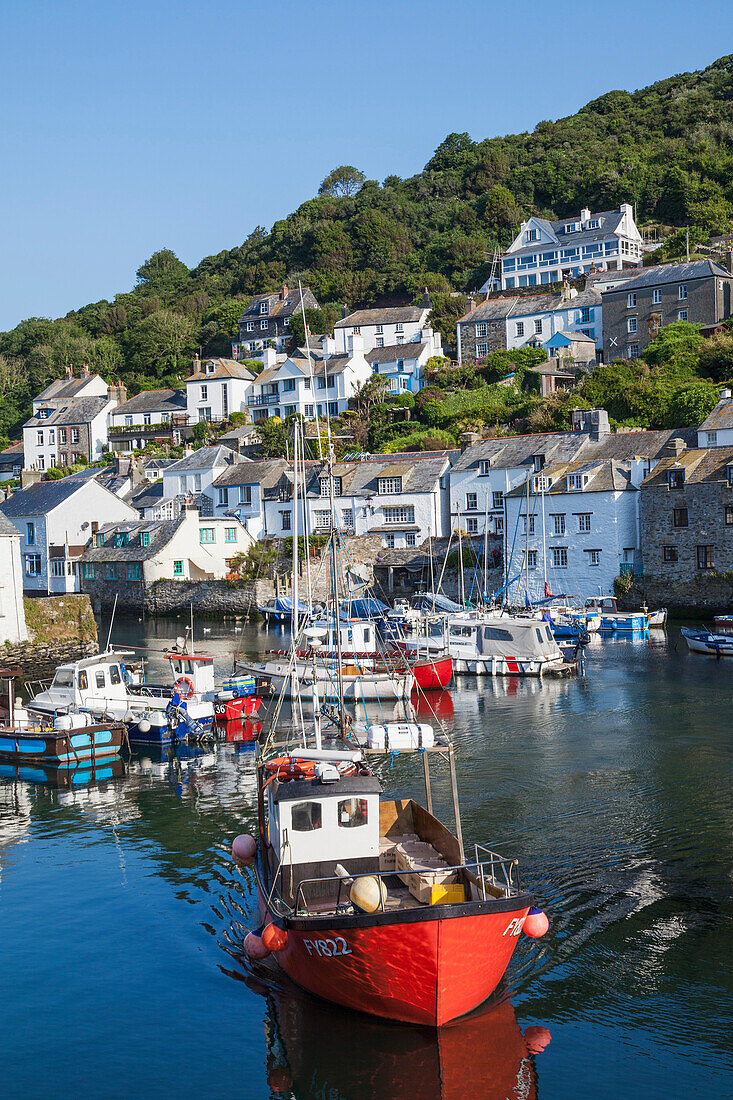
(434, 674)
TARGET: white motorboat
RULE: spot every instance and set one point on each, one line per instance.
(360, 681)
(705, 641)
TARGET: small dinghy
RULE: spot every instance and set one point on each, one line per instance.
(704, 641)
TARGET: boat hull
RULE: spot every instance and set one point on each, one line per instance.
(433, 675)
(513, 666)
(367, 686)
(62, 747)
(713, 645)
(421, 971)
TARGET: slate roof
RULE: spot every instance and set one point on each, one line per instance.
(7, 528)
(604, 476)
(203, 459)
(390, 354)
(699, 464)
(41, 497)
(156, 463)
(362, 478)
(508, 452)
(149, 401)
(576, 337)
(147, 495)
(267, 474)
(82, 411)
(223, 368)
(673, 273)
(62, 389)
(609, 221)
(335, 364)
(279, 307)
(720, 417)
(161, 532)
(391, 315)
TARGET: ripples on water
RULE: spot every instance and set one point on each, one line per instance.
(123, 916)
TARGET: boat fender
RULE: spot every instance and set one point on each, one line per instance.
(143, 726)
(536, 923)
(63, 722)
(274, 938)
(254, 948)
(243, 848)
(368, 893)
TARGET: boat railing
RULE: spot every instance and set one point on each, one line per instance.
(491, 871)
(35, 687)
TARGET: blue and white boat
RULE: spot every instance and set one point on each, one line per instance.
(280, 611)
(705, 641)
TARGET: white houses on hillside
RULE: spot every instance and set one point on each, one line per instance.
(70, 421)
(299, 388)
(716, 429)
(151, 415)
(266, 321)
(547, 251)
(254, 492)
(216, 388)
(12, 612)
(55, 520)
(191, 478)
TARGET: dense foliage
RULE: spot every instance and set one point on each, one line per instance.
(667, 148)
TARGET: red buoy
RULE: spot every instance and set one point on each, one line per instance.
(274, 938)
(244, 848)
(254, 947)
(535, 924)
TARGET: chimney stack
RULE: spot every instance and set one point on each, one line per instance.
(84, 373)
(584, 216)
(29, 477)
(344, 311)
(467, 439)
(675, 447)
(196, 365)
(730, 260)
(69, 372)
(426, 303)
(725, 394)
(284, 293)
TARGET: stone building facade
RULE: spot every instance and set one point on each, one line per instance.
(700, 292)
(687, 516)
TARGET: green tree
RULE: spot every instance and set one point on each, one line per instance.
(341, 182)
(163, 340)
(275, 437)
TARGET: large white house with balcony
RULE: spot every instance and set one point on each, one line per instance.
(216, 388)
(319, 386)
(547, 251)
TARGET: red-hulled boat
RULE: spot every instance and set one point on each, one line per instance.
(370, 903)
(433, 675)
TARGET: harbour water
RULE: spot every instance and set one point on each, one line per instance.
(122, 915)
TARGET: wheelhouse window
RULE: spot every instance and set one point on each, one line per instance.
(305, 817)
(352, 813)
(99, 677)
(496, 634)
(114, 674)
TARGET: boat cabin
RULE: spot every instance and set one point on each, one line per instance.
(194, 670)
(314, 825)
(472, 636)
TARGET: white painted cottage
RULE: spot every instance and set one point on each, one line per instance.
(12, 613)
(322, 385)
(216, 388)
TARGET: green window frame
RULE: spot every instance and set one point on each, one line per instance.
(177, 568)
(230, 534)
(88, 571)
(144, 538)
(110, 571)
(207, 535)
(133, 571)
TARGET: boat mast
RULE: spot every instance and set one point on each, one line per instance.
(544, 537)
(526, 545)
(486, 551)
(334, 581)
(460, 559)
(294, 675)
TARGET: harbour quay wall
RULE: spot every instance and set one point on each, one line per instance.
(215, 598)
(709, 592)
(60, 629)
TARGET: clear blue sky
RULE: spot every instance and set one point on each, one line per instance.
(128, 127)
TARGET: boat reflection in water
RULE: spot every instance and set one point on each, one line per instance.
(317, 1050)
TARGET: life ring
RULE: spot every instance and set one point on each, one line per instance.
(284, 768)
(191, 688)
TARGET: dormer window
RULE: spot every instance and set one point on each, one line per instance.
(484, 467)
(144, 538)
(264, 307)
(575, 482)
(729, 475)
(356, 331)
(390, 485)
(540, 484)
(593, 223)
(121, 538)
(538, 461)
(210, 368)
(533, 235)
(325, 486)
(676, 479)
(570, 227)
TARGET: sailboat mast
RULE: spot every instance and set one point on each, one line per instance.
(486, 551)
(526, 546)
(460, 559)
(334, 582)
(544, 537)
(295, 563)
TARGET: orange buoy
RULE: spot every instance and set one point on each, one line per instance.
(274, 938)
(254, 948)
(535, 924)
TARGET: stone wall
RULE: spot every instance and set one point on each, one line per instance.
(60, 629)
(495, 338)
(703, 596)
(208, 597)
(709, 507)
(40, 661)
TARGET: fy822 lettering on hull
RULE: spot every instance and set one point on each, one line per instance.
(328, 948)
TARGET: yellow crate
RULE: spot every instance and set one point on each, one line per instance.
(447, 895)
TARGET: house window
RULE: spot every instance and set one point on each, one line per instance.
(264, 307)
(133, 571)
(223, 497)
(631, 299)
(30, 533)
(481, 330)
(540, 484)
(657, 297)
(389, 542)
(531, 559)
(584, 521)
(531, 525)
(87, 571)
(484, 467)
(558, 524)
(144, 538)
(39, 439)
(592, 224)
(177, 568)
(682, 314)
(207, 535)
(347, 517)
(570, 228)
(250, 326)
(728, 515)
(289, 385)
(410, 539)
(679, 517)
(333, 408)
(97, 539)
(285, 520)
(533, 235)
(380, 341)
(682, 297)
(110, 571)
(482, 350)
(57, 568)
(676, 479)
(33, 565)
(631, 324)
(264, 325)
(390, 485)
(471, 502)
(62, 435)
(204, 393)
(399, 327)
(308, 410)
(306, 383)
(399, 515)
(356, 331)
(499, 524)
(575, 482)
(538, 462)
(520, 328)
(380, 328)
(205, 415)
(669, 553)
(197, 483)
(705, 557)
(146, 418)
(321, 383)
(594, 557)
(323, 518)
(559, 557)
(472, 525)
(325, 486)
(121, 539)
(230, 534)
(128, 422)
(729, 475)
(497, 499)
(245, 494)
(633, 351)
(538, 326)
